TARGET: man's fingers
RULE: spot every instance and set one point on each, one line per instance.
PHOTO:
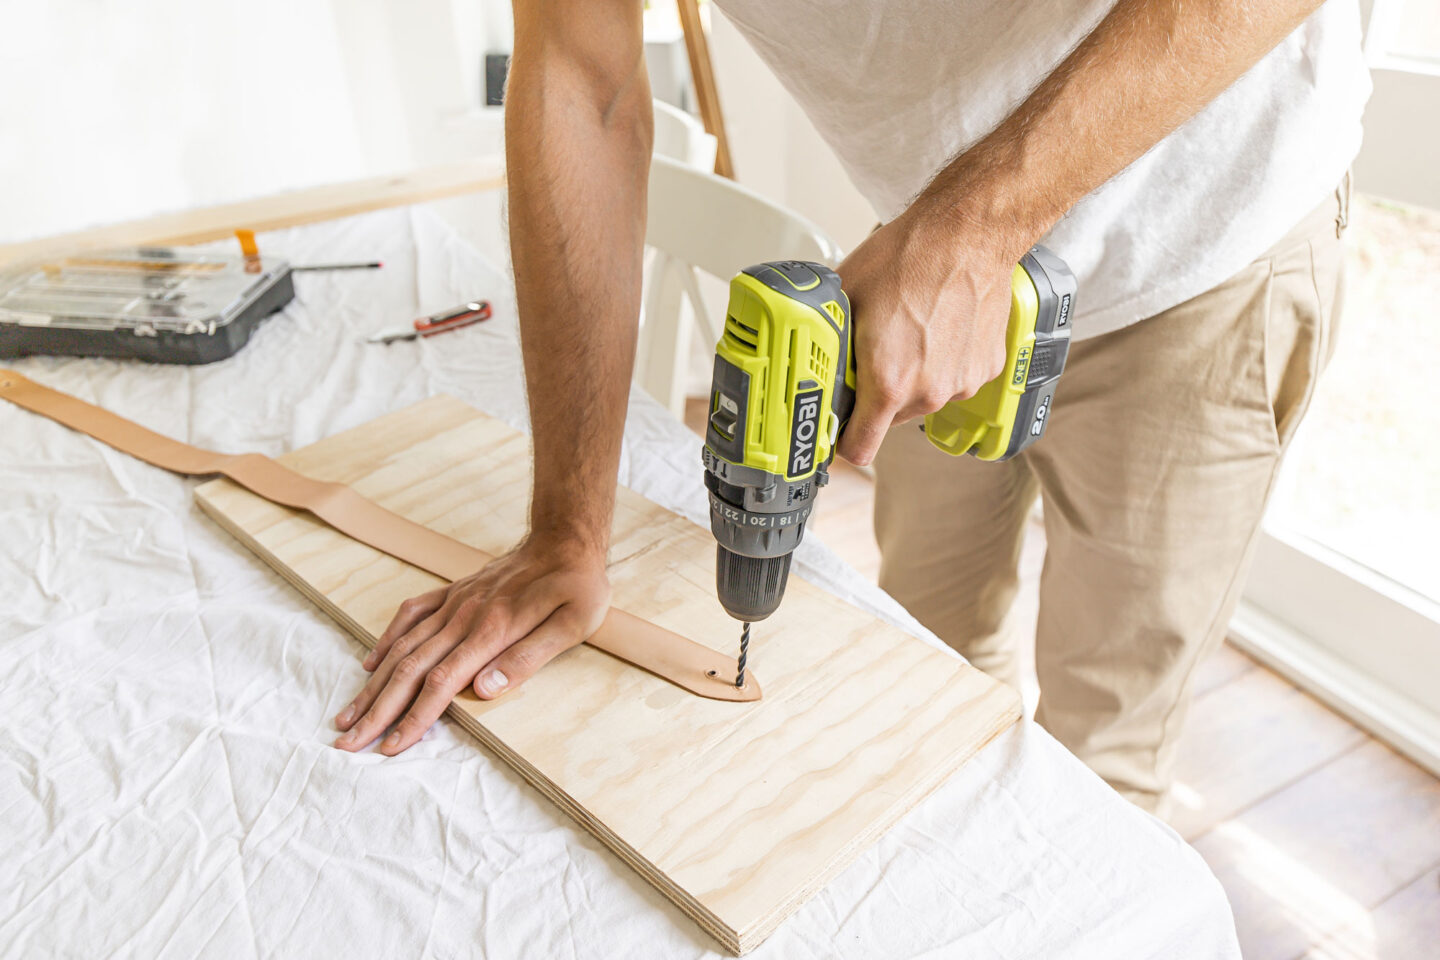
(426, 644)
(874, 412)
(381, 672)
(401, 687)
(442, 683)
(411, 612)
(562, 630)
(431, 671)
(455, 672)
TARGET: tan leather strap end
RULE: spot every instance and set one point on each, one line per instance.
(683, 662)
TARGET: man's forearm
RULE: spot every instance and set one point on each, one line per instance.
(578, 134)
(578, 128)
(1146, 68)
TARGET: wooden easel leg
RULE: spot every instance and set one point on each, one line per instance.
(698, 47)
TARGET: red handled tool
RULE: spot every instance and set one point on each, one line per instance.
(461, 316)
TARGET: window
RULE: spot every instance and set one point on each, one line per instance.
(1344, 597)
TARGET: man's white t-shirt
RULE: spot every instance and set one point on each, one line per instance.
(899, 87)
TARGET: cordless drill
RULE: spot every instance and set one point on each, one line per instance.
(782, 391)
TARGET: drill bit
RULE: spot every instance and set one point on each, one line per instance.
(744, 651)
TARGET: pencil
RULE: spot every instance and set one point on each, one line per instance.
(375, 265)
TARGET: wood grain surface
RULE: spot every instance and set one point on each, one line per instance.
(738, 812)
(289, 209)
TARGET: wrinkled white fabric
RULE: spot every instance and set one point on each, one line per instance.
(167, 788)
(899, 87)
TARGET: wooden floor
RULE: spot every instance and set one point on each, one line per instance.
(1327, 842)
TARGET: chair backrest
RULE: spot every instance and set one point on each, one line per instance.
(698, 221)
(720, 227)
(681, 136)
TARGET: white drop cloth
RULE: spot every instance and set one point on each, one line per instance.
(167, 788)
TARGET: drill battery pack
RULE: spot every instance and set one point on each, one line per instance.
(1010, 412)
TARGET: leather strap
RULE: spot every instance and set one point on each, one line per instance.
(683, 662)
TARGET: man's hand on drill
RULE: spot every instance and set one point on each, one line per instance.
(931, 301)
(491, 630)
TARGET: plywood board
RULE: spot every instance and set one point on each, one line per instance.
(738, 812)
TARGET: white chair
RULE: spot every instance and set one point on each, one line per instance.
(681, 136)
(698, 221)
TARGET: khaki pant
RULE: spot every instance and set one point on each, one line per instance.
(1162, 448)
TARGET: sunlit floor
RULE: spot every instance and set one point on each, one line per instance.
(1327, 842)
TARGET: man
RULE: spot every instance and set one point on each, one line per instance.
(1172, 152)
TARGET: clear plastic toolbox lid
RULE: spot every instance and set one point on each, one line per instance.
(155, 287)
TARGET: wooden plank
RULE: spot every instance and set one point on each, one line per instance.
(1320, 854)
(289, 209)
(1405, 927)
(1223, 666)
(697, 45)
(737, 812)
(1246, 739)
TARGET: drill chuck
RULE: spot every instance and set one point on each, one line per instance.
(750, 588)
(752, 558)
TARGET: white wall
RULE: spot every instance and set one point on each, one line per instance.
(115, 109)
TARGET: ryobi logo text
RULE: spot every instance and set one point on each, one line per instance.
(803, 431)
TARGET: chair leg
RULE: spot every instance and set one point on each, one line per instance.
(664, 351)
(706, 320)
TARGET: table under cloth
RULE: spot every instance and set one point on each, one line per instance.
(167, 785)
